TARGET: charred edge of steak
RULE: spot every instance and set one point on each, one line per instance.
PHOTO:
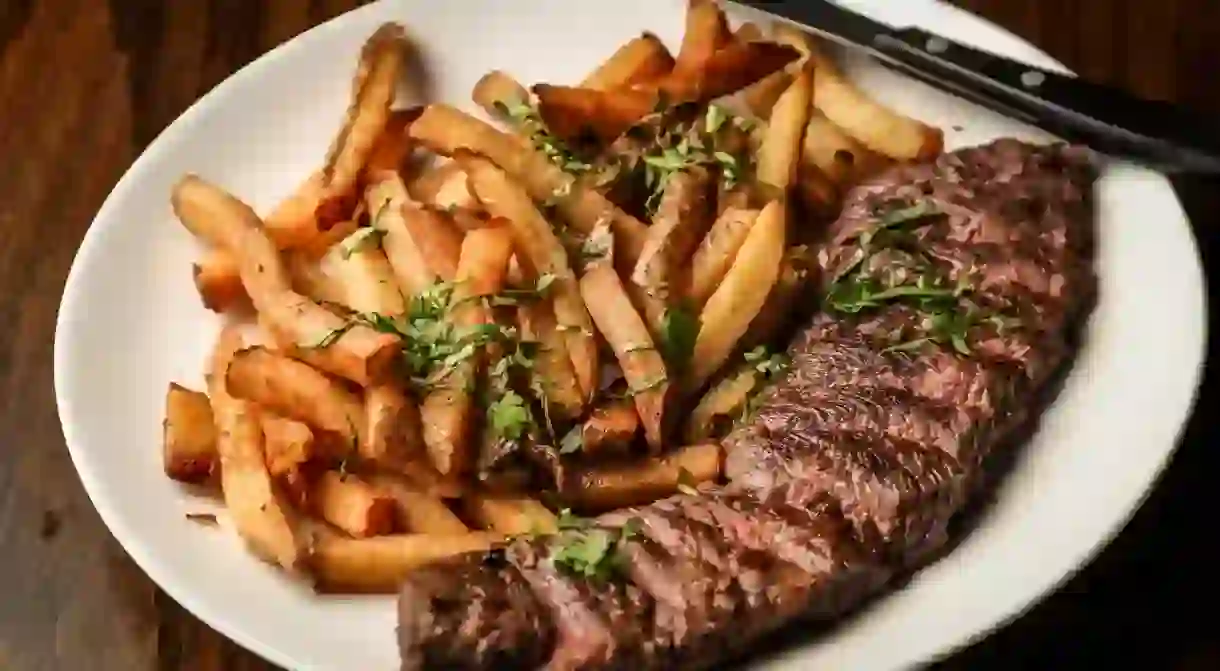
(475, 612)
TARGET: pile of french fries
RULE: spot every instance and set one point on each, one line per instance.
(447, 307)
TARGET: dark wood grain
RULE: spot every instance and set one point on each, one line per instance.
(85, 85)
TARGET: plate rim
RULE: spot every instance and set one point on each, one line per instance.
(126, 535)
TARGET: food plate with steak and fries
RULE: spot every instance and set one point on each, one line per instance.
(618, 333)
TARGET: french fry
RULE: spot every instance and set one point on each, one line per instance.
(610, 429)
(497, 92)
(761, 96)
(352, 351)
(778, 310)
(727, 399)
(218, 280)
(353, 505)
(438, 240)
(727, 71)
(553, 366)
(838, 156)
(381, 66)
(684, 216)
(707, 31)
(572, 113)
(288, 448)
(289, 444)
(298, 391)
(601, 488)
(268, 525)
(716, 252)
(511, 516)
(364, 277)
(378, 565)
(189, 447)
(741, 295)
(389, 201)
(639, 60)
(307, 279)
(446, 130)
(629, 338)
(418, 511)
(393, 435)
(781, 147)
(448, 409)
(540, 249)
(444, 187)
(393, 145)
(292, 223)
(871, 123)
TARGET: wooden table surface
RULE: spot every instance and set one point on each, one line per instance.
(85, 85)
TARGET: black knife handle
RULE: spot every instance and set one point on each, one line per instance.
(1111, 121)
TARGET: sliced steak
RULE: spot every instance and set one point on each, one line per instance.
(854, 464)
(476, 612)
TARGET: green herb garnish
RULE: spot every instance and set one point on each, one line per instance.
(679, 331)
(530, 122)
(593, 552)
(573, 441)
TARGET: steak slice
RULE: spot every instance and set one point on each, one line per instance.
(476, 612)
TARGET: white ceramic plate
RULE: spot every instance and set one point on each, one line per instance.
(130, 322)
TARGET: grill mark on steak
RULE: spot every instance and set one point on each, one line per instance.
(599, 623)
(475, 612)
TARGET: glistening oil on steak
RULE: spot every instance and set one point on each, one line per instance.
(952, 291)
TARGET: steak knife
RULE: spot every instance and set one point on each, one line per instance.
(1157, 134)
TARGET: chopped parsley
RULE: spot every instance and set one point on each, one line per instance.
(679, 331)
(947, 312)
(590, 552)
(770, 365)
(573, 441)
(508, 417)
(530, 123)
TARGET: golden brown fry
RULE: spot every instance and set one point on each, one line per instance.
(601, 488)
(218, 280)
(781, 148)
(389, 202)
(838, 156)
(761, 96)
(189, 449)
(418, 511)
(777, 312)
(868, 121)
(541, 250)
(267, 524)
(312, 333)
(354, 506)
(363, 277)
(448, 409)
(393, 145)
(379, 564)
(394, 435)
(571, 113)
(610, 429)
(683, 217)
(509, 515)
(497, 92)
(444, 187)
(292, 223)
(741, 295)
(298, 391)
(288, 448)
(633, 346)
(730, 69)
(289, 444)
(438, 240)
(308, 279)
(707, 31)
(640, 60)
(381, 66)
(553, 366)
(725, 401)
(446, 130)
(716, 252)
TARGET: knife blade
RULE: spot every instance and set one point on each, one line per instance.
(1157, 134)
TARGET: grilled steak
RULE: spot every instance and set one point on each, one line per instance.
(952, 289)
